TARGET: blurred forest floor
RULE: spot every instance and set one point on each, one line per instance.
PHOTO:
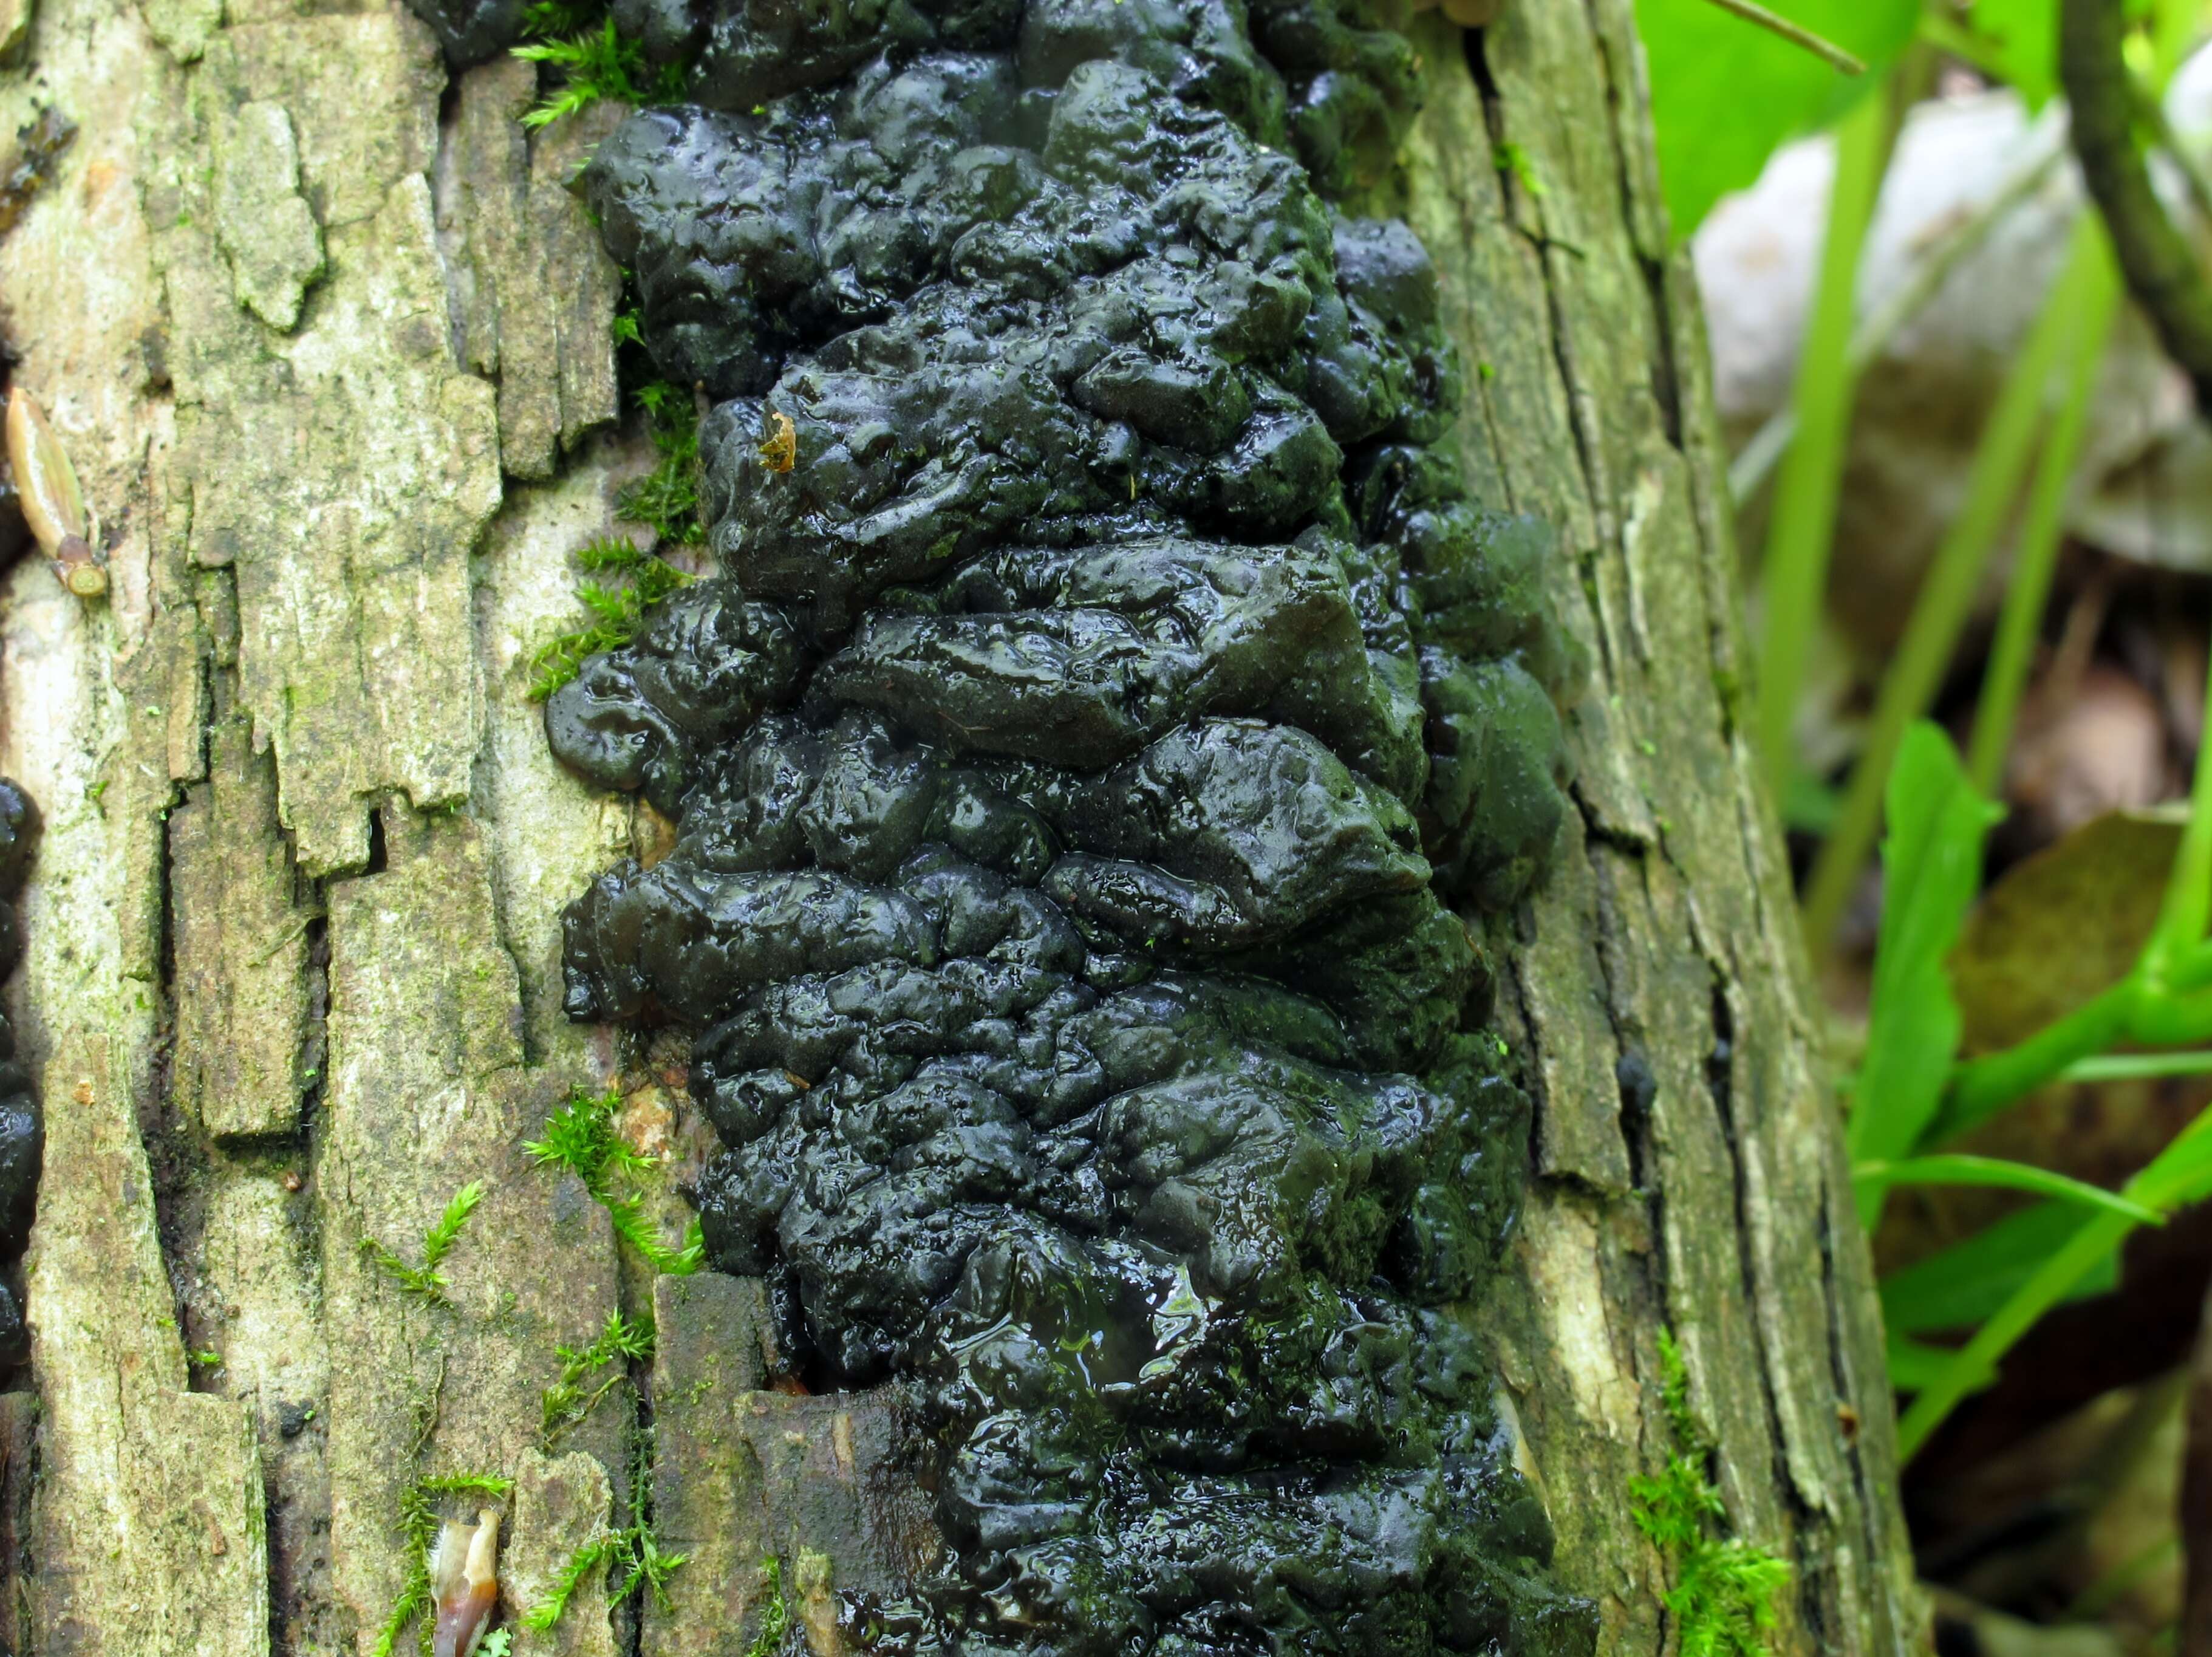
(2045, 1511)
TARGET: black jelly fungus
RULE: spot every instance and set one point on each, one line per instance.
(1076, 764)
(15, 1338)
(21, 1141)
(22, 1137)
(471, 31)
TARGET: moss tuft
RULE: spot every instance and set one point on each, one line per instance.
(776, 1613)
(632, 1554)
(426, 1283)
(1724, 1587)
(569, 1399)
(581, 1136)
(595, 63)
(640, 580)
(667, 497)
(666, 501)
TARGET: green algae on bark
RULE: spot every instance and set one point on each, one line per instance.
(1109, 687)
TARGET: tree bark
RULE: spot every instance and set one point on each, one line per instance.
(311, 320)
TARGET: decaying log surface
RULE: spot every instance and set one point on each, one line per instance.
(308, 318)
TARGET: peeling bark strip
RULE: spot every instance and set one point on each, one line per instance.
(334, 549)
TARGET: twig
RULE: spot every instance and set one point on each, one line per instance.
(2161, 268)
(1826, 51)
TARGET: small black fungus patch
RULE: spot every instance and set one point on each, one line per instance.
(22, 1134)
(1109, 691)
(471, 31)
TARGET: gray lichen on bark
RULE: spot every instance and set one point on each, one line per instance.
(326, 595)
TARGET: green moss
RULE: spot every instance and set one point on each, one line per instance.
(582, 1563)
(667, 497)
(1725, 1588)
(775, 1614)
(570, 1399)
(581, 1136)
(638, 579)
(426, 1283)
(594, 62)
(632, 1554)
(666, 501)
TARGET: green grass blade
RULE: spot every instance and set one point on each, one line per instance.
(1995, 1081)
(2139, 1066)
(2046, 1287)
(1965, 1284)
(1947, 594)
(1796, 570)
(1913, 1364)
(1933, 857)
(1958, 1170)
(2020, 620)
(2180, 1174)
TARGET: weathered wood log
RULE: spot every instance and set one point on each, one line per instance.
(308, 318)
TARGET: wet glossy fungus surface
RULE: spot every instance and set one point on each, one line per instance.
(471, 31)
(1077, 763)
(22, 1132)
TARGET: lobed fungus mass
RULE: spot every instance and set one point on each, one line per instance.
(1109, 699)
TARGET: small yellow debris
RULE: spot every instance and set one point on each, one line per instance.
(778, 450)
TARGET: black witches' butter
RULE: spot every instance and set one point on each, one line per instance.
(1107, 692)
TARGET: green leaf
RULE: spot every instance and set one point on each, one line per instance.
(1931, 868)
(1968, 1282)
(2182, 1173)
(1914, 1365)
(2018, 43)
(1725, 93)
(1997, 1171)
(2179, 1174)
